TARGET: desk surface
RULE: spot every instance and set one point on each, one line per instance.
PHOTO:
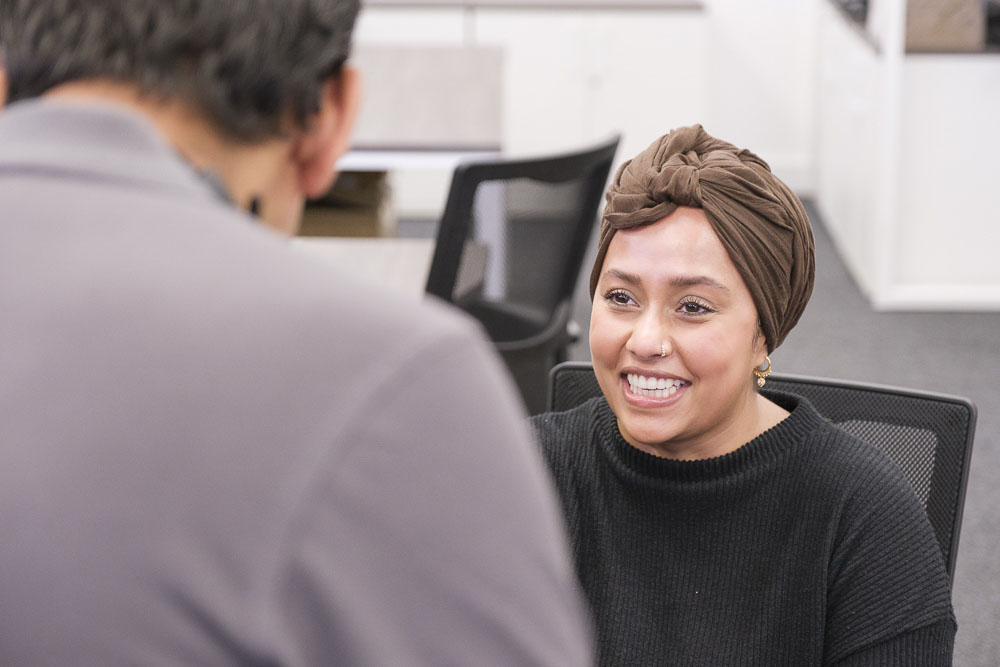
(401, 265)
(415, 158)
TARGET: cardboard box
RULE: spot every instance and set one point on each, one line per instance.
(358, 204)
(348, 221)
(945, 25)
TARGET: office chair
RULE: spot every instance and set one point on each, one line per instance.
(928, 435)
(529, 221)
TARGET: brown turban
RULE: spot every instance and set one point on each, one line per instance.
(761, 224)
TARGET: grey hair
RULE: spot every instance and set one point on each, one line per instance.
(249, 65)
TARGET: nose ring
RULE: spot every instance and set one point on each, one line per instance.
(663, 350)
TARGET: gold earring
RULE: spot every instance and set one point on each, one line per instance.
(763, 371)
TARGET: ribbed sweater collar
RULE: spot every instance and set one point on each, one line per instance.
(652, 471)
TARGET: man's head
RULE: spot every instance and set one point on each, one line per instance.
(257, 71)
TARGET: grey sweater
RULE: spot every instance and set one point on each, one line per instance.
(216, 452)
(803, 547)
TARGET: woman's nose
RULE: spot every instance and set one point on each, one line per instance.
(650, 338)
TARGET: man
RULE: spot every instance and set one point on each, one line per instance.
(213, 451)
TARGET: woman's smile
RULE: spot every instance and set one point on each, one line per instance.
(651, 389)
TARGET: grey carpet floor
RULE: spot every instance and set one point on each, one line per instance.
(841, 336)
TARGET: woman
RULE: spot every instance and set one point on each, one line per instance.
(712, 523)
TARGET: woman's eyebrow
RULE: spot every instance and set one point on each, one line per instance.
(625, 276)
(676, 281)
(694, 281)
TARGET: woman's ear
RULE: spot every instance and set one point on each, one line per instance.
(317, 149)
(760, 350)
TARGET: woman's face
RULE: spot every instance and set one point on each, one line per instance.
(672, 284)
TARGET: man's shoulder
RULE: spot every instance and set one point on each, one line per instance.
(358, 310)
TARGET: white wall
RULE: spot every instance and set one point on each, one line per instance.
(906, 173)
(948, 230)
(410, 25)
(573, 78)
(850, 99)
(761, 81)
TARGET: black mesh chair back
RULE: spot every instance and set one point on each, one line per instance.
(928, 435)
(509, 250)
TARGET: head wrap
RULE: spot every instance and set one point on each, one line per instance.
(761, 224)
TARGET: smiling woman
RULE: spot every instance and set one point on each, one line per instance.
(714, 523)
(671, 308)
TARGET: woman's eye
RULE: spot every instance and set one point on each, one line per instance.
(695, 307)
(618, 297)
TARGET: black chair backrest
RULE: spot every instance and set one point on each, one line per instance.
(928, 435)
(533, 216)
(509, 251)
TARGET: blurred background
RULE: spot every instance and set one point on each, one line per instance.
(884, 116)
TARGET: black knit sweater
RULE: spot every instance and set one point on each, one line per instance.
(803, 547)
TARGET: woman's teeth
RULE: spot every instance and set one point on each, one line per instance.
(650, 386)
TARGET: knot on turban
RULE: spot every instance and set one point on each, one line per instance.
(759, 221)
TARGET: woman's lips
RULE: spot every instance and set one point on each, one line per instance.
(650, 391)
